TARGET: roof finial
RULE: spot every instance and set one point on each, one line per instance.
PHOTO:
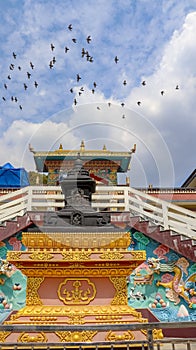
(134, 148)
(82, 146)
(60, 146)
(104, 148)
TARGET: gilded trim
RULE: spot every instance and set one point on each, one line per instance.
(33, 284)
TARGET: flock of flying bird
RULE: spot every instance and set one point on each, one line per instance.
(84, 54)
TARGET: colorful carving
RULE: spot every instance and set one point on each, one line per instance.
(5, 267)
(174, 284)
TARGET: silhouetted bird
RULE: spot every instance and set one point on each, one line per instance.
(75, 101)
(143, 83)
(54, 60)
(71, 90)
(28, 75)
(74, 40)
(87, 55)
(95, 84)
(52, 47)
(78, 77)
(90, 59)
(83, 52)
(25, 86)
(116, 59)
(109, 104)
(35, 84)
(51, 64)
(12, 98)
(82, 89)
(32, 65)
(16, 100)
(139, 103)
(122, 104)
(9, 77)
(14, 55)
(70, 27)
(20, 107)
(88, 39)
(162, 92)
(177, 87)
(98, 108)
(123, 116)
(11, 66)
(5, 86)
(66, 49)
(4, 99)
(19, 67)
(79, 93)
(93, 91)
(124, 82)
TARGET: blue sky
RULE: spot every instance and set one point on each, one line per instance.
(154, 41)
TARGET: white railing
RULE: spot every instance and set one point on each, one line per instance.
(114, 198)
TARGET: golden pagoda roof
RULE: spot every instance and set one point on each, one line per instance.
(61, 154)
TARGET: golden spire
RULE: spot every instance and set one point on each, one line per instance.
(60, 146)
(104, 148)
(82, 146)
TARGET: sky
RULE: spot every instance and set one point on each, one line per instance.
(58, 87)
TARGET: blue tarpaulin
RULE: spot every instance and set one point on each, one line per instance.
(11, 177)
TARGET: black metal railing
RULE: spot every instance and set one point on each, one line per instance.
(150, 343)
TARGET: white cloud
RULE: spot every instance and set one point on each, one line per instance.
(165, 56)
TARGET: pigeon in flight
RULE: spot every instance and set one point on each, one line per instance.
(20, 107)
(5, 86)
(75, 101)
(32, 65)
(70, 27)
(74, 40)
(177, 87)
(88, 39)
(19, 68)
(9, 77)
(25, 86)
(78, 77)
(83, 52)
(143, 83)
(4, 99)
(71, 90)
(52, 47)
(124, 82)
(98, 108)
(11, 66)
(122, 104)
(14, 55)
(139, 103)
(35, 84)
(28, 75)
(66, 49)
(162, 92)
(95, 84)
(51, 65)
(116, 59)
